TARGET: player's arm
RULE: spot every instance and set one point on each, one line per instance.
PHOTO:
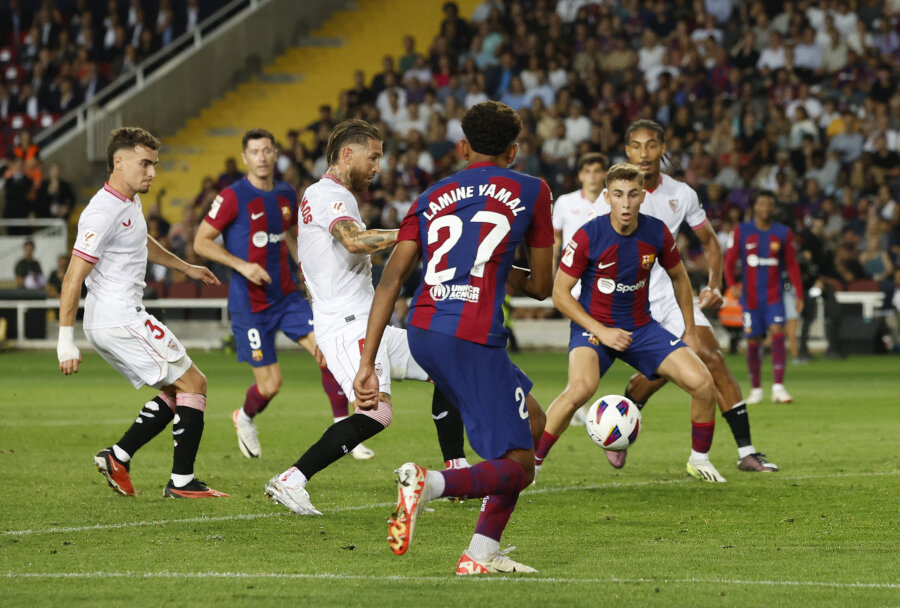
(731, 258)
(66, 352)
(557, 249)
(793, 268)
(399, 266)
(206, 246)
(612, 337)
(291, 243)
(536, 283)
(158, 254)
(354, 240)
(711, 296)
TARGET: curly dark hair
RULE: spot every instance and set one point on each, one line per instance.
(491, 127)
(127, 138)
(650, 125)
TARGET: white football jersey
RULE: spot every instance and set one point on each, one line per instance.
(112, 235)
(339, 282)
(572, 210)
(673, 202)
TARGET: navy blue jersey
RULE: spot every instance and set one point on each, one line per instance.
(254, 224)
(467, 227)
(764, 256)
(614, 269)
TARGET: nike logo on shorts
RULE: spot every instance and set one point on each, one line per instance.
(673, 342)
(256, 216)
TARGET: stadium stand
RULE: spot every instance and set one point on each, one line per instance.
(797, 97)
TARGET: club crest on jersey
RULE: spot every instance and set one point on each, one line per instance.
(286, 212)
(339, 208)
(647, 260)
(774, 246)
(466, 293)
(673, 203)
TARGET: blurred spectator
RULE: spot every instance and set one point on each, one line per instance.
(55, 196)
(230, 175)
(28, 270)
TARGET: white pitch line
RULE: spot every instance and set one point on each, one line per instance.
(165, 574)
(384, 505)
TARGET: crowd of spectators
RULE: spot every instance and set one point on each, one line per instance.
(799, 97)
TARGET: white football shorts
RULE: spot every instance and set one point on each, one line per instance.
(144, 351)
(666, 311)
(343, 349)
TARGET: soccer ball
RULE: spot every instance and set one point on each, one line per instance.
(613, 422)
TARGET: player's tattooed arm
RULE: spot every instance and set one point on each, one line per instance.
(362, 241)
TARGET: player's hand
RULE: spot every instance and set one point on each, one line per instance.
(255, 273)
(365, 385)
(710, 298)
(319, 356)
(617, 339)
(66, 352)
(202, 274)
(691, 338)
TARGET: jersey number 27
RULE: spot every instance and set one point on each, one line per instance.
(454, 225)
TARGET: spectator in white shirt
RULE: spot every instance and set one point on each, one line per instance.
(578, 126)
(808, 54)
(773, 57)
(651, 53)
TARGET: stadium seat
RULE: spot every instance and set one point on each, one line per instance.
(214, 291)
(155, 289)
(183, 289)
(864, 285)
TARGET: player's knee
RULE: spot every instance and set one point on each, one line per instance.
(196, 381)
(705, 389)
(712, 358)
(269, 388)
(579, 391)
(383, 415)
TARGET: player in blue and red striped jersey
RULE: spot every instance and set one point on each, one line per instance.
(466, 228)
(765, 249)
(612, 256)
(257, 218)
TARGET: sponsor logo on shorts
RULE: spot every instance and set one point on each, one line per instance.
(673, 342)
(466, 293)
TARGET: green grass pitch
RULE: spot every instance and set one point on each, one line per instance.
(822, 532)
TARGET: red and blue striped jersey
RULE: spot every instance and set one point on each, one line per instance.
(764, 255)
(467, 227)
(615, 269)
(254, 224)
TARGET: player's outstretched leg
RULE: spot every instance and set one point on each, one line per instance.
(337, 441)
(114, 462)
(340, 410)
(731, 404)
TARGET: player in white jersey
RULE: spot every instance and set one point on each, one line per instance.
(674, 203)
(110, 256)
(334, 246)
(571, 211)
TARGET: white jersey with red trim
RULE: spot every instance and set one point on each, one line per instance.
(112, 235)
(339, 282)
(674, 203)
(572, 210)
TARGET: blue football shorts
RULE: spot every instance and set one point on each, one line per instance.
(254, 332)
(484, 384)
(650, 345)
